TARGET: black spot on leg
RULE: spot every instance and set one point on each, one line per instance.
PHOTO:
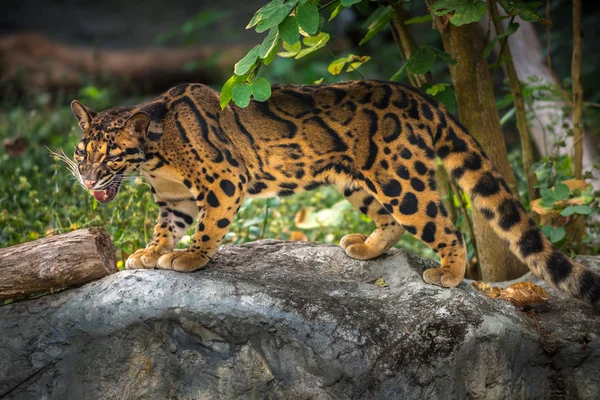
(417, 184)
(228, 187)
(212, 200)
(420, 168)
(509, 214)
(187, 183)
(392, 188)
(223, 223)
(370, 185)
(410, 229)
(410, 204)
(402, 172)
(428, 234)
(432, 210)
(443, 210)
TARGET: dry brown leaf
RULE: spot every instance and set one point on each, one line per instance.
(298, 236)
(300, 216)
(487, 289)
(576, 184)
(520, 294)
(523, 293)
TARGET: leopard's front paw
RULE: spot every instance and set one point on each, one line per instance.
(143, 258)
(182, 260)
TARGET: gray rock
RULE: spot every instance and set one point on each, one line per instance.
(281, 320)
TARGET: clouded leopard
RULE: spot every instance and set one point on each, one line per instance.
(377, 142)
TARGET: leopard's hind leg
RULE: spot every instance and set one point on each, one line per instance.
(386, 235)
(409, 195)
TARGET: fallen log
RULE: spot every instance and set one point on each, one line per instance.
(56, 262)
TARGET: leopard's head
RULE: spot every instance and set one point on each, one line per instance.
(110, 149)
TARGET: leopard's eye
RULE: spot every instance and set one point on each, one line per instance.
(114, 159)
(80, 153)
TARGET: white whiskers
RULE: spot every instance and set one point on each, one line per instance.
(71, 165)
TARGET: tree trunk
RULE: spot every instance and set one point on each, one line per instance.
(56, 262)
(477, 110)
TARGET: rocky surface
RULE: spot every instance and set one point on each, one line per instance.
(294, 321)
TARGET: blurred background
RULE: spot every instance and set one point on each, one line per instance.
(109, 53)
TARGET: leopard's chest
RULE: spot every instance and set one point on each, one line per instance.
(167, 186)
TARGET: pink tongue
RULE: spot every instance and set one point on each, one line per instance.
(100, 195)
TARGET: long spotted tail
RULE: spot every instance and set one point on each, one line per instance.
(464, 158)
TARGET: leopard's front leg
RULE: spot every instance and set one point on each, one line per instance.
(218, 207)
(174, 219)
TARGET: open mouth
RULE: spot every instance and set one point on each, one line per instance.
(107, 195)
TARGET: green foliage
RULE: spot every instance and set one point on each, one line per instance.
(463, 11)
(289, 30)
(271, 15)
(527, 11)
(376, 22)
(351, 63)
(307, 16)
(421, 60)
(512, 28)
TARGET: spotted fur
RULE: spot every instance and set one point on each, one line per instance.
(375, 141)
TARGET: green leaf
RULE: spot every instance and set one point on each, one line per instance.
(270, 15)
(241, 94)
(435, 89)
(337, 66)
(562, 191)
(288, 30)
(269, 57)
(527, 11)
(244, 65)
(348, 3)
(583, 209)
(465, 11)
(443, 55)
(421, 60)
(271, 40)
(448, 98)
(226, 90)
(353, 62)
(568, 211)
(336, 11)
(261, 89)
(383, 17)
(398, 74)
(307, 16)
(557, 234)
(314, 43)
(512, 28)
(418, 20)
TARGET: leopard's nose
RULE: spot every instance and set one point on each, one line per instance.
(89, 184)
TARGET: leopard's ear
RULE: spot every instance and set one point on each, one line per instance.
(84, 115)
(137, 124)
